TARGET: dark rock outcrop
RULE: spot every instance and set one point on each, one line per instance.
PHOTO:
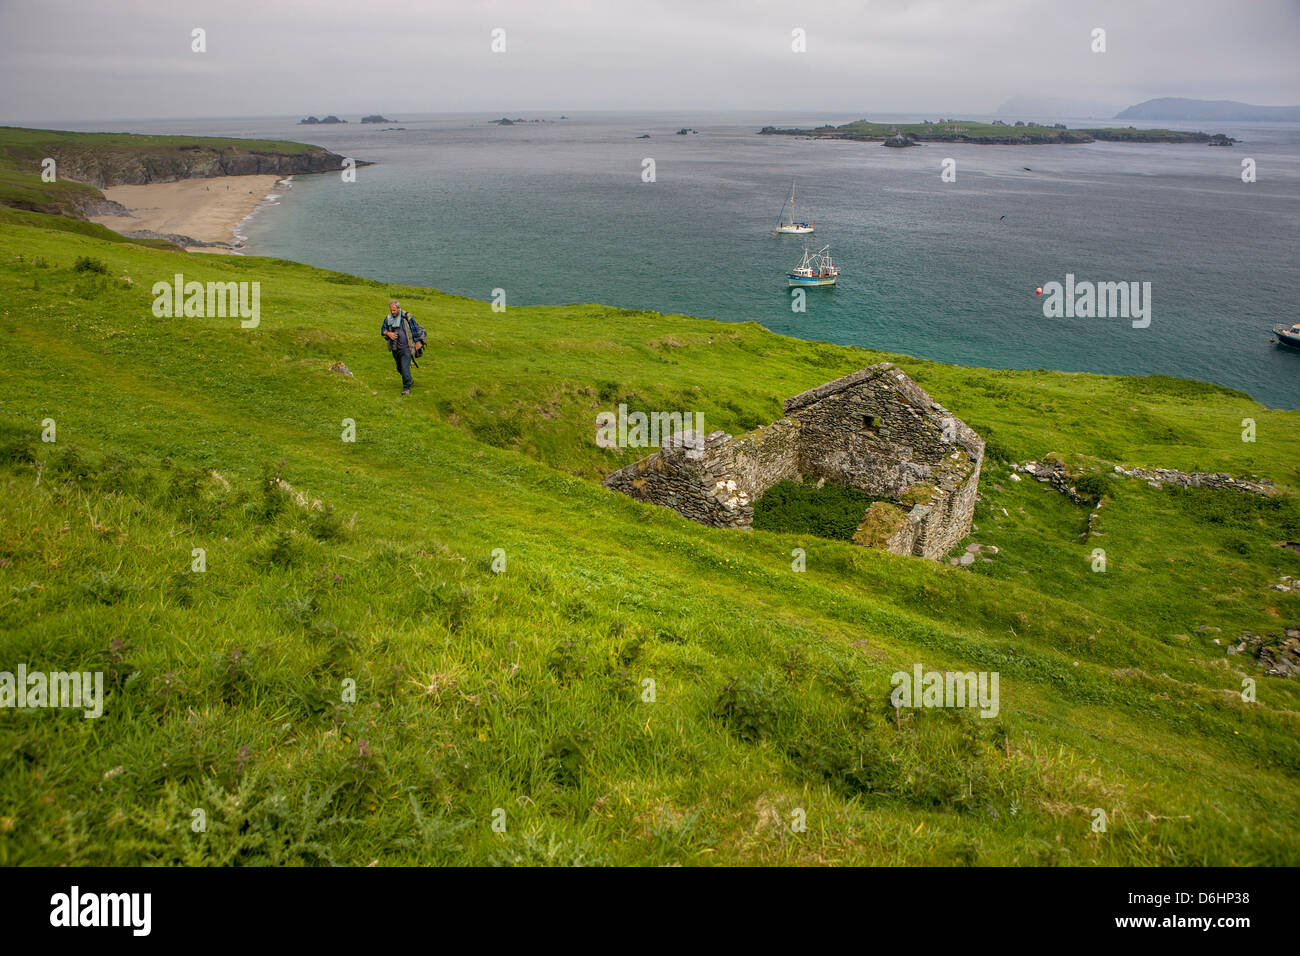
(177, 240)
(101, 207)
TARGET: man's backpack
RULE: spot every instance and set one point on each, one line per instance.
(415, 337)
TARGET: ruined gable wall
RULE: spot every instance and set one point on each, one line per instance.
(879, 431)
(899, 447)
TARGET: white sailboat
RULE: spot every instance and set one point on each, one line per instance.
(787, 225)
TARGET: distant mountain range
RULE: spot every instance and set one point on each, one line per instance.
(1176, 108)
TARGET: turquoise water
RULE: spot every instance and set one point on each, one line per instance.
(558, 213)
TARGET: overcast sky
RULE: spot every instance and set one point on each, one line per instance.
(65, 60)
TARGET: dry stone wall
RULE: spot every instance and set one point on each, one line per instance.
(952, 507)
(875, 430)
(1199, 479)
(713, 479)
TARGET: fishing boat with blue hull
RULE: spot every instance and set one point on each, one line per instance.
(816, 268)
(1289, 337)
(786, 225)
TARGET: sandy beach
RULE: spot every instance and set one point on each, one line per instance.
(206, 210)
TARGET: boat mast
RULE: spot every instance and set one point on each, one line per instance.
(787, 211)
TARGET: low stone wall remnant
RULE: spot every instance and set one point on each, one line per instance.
(1054, 473)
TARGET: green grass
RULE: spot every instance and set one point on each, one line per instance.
(81, 227)
(32, 144)
(23, 189)
(526, 690)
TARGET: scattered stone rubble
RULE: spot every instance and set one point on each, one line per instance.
(975, 551)
(1053, 473)
(1279, 658)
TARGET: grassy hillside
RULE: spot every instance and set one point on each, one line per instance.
(525, 691)
(65, 223)
(19, 141)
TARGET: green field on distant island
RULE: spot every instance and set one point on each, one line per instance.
(626, 686)
(996, 133)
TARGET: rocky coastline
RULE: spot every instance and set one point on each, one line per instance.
(105, 166)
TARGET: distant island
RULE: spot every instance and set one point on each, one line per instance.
(313, 121)
(1176, 108)
(503, 121)
(376, 118)
(997, 133)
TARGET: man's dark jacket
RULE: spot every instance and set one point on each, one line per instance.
(400, 343)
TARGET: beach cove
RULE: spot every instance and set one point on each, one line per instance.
(205, 210)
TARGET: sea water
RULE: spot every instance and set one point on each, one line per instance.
(561, 212)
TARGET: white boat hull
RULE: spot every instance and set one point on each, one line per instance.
(792, 231)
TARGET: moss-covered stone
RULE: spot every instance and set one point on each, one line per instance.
(919, 494)
(882, 521)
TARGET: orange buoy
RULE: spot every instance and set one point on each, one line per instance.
(1038, 291)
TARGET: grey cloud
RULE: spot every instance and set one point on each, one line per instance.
(66, 60)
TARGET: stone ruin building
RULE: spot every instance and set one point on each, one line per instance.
(875, 430)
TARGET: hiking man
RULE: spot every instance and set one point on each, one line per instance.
(405, 340)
